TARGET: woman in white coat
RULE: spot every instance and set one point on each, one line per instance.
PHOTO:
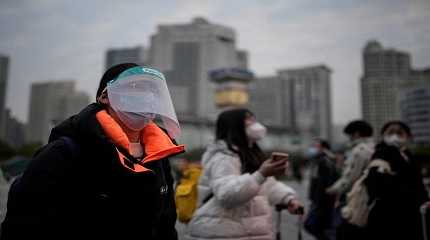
(237, 186)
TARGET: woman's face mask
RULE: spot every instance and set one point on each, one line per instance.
(395, 140)
(135, 121)
(256, 131)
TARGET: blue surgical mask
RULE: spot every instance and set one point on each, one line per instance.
(312, 152)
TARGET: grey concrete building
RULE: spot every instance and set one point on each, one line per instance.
(384, 71)
(73, 103)
(414, 103)
(338, 137)
(298, 100)
(267, 100)
(14, 131)
(307, 95)
(51, 103)
(4, 72)
(242, 59)
(186, 53)
(137, 55)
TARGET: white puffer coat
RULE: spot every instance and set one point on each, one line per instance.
(240, 206)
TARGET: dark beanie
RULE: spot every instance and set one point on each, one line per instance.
(112, 73)
(402, 125)
(360, 126)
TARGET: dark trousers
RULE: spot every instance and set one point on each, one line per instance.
(346, 231)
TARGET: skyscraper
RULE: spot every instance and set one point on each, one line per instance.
(51, 103)
(295, 99)
(73, 103)
(414, 100)
(14, 131)
(307, 94)
(121, 55)
(384, 71)
(4, 71)
(242, 59)
(266, 100)
(186, 53)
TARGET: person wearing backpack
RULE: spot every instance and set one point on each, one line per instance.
(358, 156)
(237, 183)
(361, 146)
(395, 192)
(105, 171)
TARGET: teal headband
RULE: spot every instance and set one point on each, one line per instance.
(139, 71)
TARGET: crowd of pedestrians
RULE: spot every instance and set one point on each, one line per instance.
(106, 173)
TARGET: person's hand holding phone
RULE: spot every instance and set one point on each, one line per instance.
(275, 166)
(295, 207)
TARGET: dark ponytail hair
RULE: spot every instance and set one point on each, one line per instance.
(230, 127)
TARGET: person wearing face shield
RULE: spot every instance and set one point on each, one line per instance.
(396, 192)
(237, 183)
(105, 171)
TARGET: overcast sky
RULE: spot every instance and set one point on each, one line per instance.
(61, 40)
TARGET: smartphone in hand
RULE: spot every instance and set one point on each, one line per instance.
(279, 156)
(282, 157)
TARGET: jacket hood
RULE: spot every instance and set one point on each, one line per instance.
(82, 127)
(218, 146)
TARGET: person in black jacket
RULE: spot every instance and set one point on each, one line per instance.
(396, 193)
(105, 172)
(323, 174)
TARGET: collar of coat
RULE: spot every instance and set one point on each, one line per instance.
(365, 140)
(156, 143)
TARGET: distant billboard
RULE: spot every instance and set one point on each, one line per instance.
(226, 74)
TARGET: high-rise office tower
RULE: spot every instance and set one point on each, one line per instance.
(307, 95)
(51, 103)
(186, 53)
(136, 55)
(384, 70)
(4, 72)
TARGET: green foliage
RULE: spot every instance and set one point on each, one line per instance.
(29, 149)
(422, 150)
(6, 151)
(422, 154)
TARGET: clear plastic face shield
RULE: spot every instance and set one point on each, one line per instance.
(141, 91)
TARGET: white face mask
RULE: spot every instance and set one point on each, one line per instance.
(256, 131)
(395, 140)
(135, 121)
